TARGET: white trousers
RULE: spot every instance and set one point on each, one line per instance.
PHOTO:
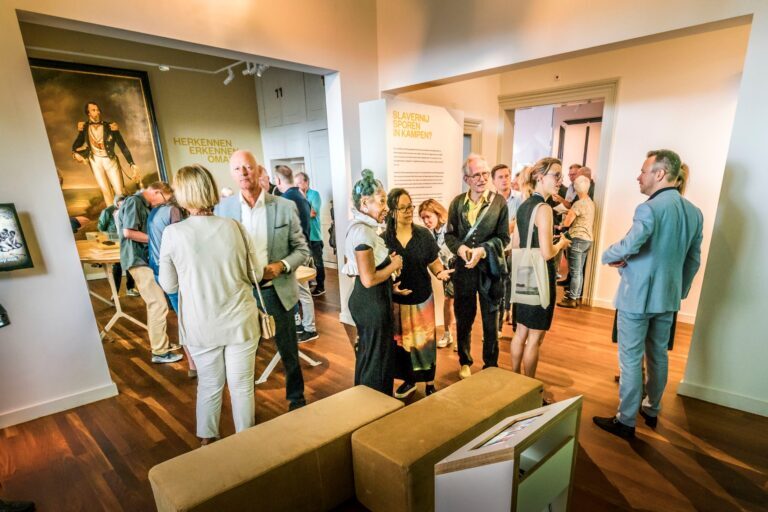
(108, 175)
(215, 365)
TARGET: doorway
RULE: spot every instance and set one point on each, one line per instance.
(572, 124)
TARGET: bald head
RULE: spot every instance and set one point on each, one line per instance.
(245, 171)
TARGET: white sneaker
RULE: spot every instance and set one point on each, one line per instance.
(168, 357)
(446, 340)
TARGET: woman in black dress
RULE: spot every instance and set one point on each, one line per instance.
(533, 322)
(414, 305)
(370, 303)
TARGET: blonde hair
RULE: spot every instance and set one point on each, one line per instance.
(195, 188)
(682, 179)
(531, 174)
(430, 205)
(581, 185)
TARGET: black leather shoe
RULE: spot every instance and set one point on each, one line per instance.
(564, 282)
(613, 426)
(429, 389)
(16, 506)
(405, 390)
(651, 421)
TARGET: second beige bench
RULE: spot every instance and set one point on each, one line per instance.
(395, 456)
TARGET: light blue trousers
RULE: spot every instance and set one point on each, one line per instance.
(642, 333)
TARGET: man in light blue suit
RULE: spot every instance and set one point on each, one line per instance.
(657, 260)
(273, 223)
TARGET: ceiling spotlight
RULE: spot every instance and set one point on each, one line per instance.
(260, 69)
(248, 69)
(164, 67)
(230, 76)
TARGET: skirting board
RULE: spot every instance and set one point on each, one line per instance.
(10, 418)
(724, 398)
(687, 318)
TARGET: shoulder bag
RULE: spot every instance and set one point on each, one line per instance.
(529, 274)
(266, 321)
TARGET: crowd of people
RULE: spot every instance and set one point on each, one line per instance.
(226, 263)
(469, 246)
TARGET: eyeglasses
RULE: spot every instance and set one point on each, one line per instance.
(557, 175)
(477, 176)
(405, 209)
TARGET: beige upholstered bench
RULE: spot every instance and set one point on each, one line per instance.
(301, 460)
(395, 456)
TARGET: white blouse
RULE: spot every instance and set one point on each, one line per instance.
(362, 231)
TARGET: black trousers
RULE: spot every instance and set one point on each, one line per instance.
(317, 255)
(371, 309)
(117, 275)
(466, 289)
(287, 345)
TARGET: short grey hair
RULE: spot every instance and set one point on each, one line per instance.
(585, 171)
(581, 185)
(472, 158)
(667, 160)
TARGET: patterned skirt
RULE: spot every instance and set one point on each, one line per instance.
(416, 341)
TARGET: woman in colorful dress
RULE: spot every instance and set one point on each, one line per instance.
(413, 302)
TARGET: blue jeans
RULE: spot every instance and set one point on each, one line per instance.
(642, 333)
(577, 258)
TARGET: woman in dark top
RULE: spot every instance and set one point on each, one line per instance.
(370, 303)
(413, 304)
(543, 179)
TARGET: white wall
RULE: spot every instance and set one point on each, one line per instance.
(421, 42)
(698, 80)
(728, 357)
(52, 352)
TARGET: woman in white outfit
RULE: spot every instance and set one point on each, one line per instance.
(212, 264)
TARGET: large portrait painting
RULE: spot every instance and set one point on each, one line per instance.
(14, 253)
(102, 131)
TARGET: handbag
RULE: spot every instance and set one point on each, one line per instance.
(529, 273)
(266, 321)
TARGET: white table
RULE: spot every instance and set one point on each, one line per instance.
(97, 252)
(303, 275)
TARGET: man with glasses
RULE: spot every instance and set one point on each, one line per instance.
(133, 218)
(657, 261)
(477, 232)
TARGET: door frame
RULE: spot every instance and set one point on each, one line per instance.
(601, 89)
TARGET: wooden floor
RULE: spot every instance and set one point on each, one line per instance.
(96, 457)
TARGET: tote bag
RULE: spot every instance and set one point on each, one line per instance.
(529, 274)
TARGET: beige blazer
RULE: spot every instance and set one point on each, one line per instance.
(211, 263)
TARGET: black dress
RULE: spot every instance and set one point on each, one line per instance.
(371, 310)
(535, 317)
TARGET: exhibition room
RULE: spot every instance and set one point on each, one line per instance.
(383, 255)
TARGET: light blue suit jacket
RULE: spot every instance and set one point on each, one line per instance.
(285, 240)
(663, 253)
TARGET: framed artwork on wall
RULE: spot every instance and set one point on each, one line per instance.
(102, 131)
(14, 252)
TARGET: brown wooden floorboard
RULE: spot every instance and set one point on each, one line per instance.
(96, 457)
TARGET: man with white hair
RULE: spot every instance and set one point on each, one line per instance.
(477, 232)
